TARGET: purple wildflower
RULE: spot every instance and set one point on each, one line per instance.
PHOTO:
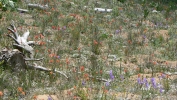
(163, 75)
(117, 31)
(49, 98)
(161, 90)
(143, 36)
(122, 77)
(153, 82)
(64, 28)
(111, 75)
(107, 83)
(139, 80)
(83, 83)
(145, 81)
(58, 57)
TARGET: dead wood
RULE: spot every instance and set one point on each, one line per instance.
(16, 58)
(22, 10)
(38, 6)
(102, 10)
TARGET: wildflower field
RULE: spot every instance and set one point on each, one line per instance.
(102, 49)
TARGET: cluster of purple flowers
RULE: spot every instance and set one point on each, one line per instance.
(153, 82)
(144, 81)
(147, 86)
(111, 77)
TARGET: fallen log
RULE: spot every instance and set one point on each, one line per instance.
(38, 6)
(102, 10)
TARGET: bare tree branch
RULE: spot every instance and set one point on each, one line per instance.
(14, 29)
(25, 47)
(14, 33)
(22, 10)
(29, 59)
(61, 73)
(46, 70)
(13, 38)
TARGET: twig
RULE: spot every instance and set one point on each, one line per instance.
(29, 59)
(45, 69)
(22, 10)
(61, 73)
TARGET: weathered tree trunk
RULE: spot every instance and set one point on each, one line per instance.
(16, 58)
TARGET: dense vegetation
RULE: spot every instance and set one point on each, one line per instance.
(127, 53)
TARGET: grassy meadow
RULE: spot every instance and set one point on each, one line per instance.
(129, 53)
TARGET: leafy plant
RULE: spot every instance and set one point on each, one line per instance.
(7, 4)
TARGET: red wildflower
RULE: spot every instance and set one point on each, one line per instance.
(41, 36)
(23, 93)
(51, 61)
(59, 28)
(101, 71)
(105, 91)
(1, 94)
(166, 63)
(41, 43)
(67, 61)
(57, 60)
(79, 49)
(35, 97)
(52, 55)
(82, 68)
(20, 89)
(129, 41)
(36, 37)
(95, 42)
(86, 76)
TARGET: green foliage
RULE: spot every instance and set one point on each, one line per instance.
(122, 1)
(166, 84)
(7, 5)
(146, 12)
(0, 5)
(104, 36)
